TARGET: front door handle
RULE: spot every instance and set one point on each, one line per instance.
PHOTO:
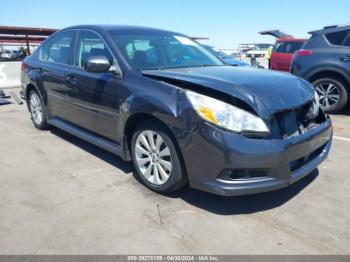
(71, 79)
(345, 59)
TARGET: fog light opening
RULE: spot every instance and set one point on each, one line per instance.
(243, 174)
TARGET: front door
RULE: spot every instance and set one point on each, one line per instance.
(94, 98)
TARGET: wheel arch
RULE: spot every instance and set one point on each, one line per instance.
(329, 73)
(136, 119)
(29, 88)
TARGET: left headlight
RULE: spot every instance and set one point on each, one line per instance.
(226, 115)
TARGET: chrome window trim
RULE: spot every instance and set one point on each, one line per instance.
(115, 61)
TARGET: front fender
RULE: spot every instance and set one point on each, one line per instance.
(169, 111)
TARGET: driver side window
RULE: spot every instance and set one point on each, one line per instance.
(90, 44)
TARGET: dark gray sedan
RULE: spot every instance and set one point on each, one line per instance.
(161, 100)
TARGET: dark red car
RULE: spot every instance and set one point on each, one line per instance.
(283, 50)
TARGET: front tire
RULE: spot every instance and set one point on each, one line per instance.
(333, 94)
(37, 110)
(156, 159)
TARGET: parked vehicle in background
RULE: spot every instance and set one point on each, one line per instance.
(15, 54)
(226, 58)
(161, 100)
(284, 47)
(283, 51)
(259, 50)
(9, 55)
(325, 62)
(6, 54)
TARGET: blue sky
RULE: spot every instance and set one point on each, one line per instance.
(227, 23)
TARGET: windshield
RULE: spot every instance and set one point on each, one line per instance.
(216, 51)
(261, 47)
(161, 50)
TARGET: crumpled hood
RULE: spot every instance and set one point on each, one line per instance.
(264, 90)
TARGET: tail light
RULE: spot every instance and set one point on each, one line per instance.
(303, 52)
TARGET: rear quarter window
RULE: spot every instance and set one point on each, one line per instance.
(43, 51)
(337, 38)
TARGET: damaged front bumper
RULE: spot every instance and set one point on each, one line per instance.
(229, 164)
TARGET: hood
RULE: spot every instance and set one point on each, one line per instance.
(265, 91)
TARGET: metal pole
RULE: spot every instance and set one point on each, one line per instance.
(27, 41)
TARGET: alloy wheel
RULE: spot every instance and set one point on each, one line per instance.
(153, 157)
(36, 108)
(329, 94)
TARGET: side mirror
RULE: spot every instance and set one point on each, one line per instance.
(97, 64)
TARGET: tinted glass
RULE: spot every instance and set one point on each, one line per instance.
(157, 50)
(59, 48)
(44, 51)
(278, 48)
(291, 47)
(90, 44)
(215, 51)
(347, 41)
(337, 38)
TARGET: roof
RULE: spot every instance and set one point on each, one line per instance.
(118, 27)
(330, 29)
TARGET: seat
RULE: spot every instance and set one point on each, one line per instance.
(140, 59)
(98, 52)
(63, 55)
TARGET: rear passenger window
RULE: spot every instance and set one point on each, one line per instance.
(59, 48)
(291, 47)
(337, 38)
(278, 48)
(44, 51)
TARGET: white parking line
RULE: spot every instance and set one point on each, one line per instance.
(342, 138)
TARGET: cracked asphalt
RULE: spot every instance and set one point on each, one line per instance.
(61, 195)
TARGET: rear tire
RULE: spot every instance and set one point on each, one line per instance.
(37, 110)
(156, 159)
(333, 94)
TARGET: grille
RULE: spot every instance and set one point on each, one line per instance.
(296, 121)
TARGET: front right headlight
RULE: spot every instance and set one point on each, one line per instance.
(226, 115)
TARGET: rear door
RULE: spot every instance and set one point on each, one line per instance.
(94, 98)
(54, 58)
